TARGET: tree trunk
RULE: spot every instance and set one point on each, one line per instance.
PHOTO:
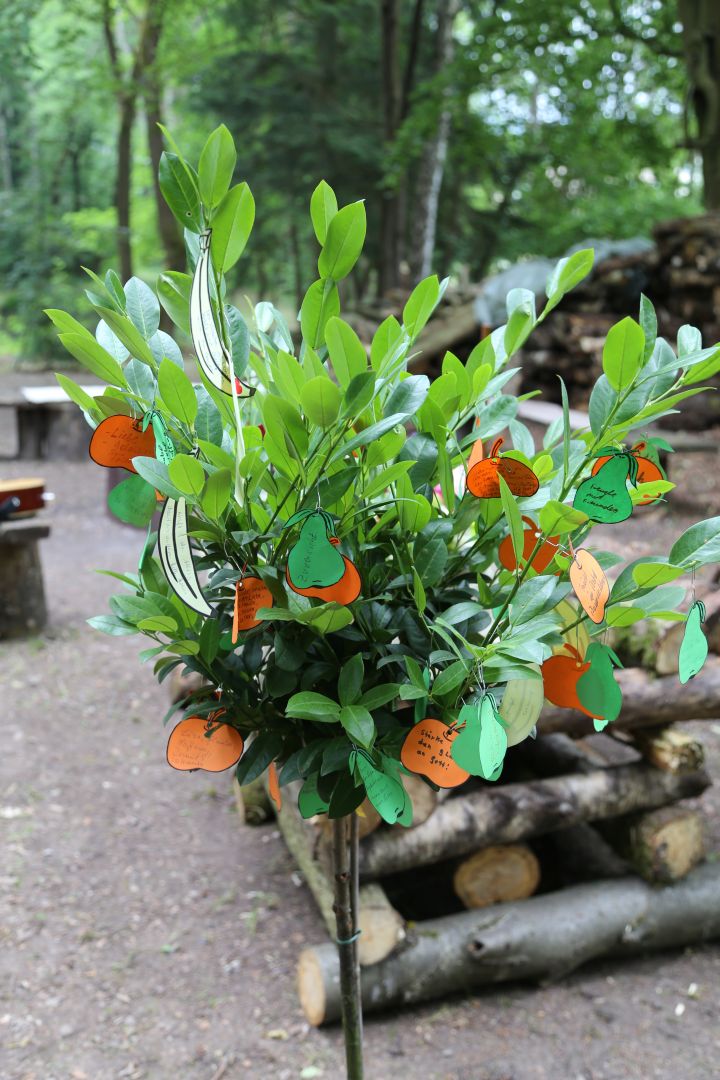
(701, 41)
(648, 702)
(512, 812)
(123, 180)
(545, 936)
(350, 1004)
(389, 268)
(168, 228)
(427, 195)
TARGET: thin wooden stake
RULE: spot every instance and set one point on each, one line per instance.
(345, 893)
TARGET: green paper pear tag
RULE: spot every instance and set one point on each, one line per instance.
(313, 561)
(481, 745)
(386, 794)
(597, 689)
(133, 501)
(164, 446)
(694, 646)
(493, 739)
(604, 497)
(310, 802)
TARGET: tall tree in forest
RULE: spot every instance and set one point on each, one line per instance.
(701, 38)
(132, 70)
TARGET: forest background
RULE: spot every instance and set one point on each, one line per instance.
(478, 132)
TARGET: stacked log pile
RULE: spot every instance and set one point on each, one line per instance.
(536, 874)
(681, 275)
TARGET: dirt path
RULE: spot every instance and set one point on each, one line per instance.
(146, 934)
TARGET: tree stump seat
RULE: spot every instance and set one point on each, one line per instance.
(23, 610)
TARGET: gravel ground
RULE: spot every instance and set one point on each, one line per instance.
(147, 934)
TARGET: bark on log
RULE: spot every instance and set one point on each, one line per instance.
(381, 926)
(545, 936)
(648, 702)
(424, 799)
(670, 749)
(512, 812)
(497, 874)
(663, 845)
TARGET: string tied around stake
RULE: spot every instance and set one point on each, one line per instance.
(348, 941)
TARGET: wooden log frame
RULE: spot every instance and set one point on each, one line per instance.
(648, 702)
(381, 926)
(514, 812)
(545, 936)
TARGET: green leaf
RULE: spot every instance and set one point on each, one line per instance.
(698, 545)
(623, 353)
(216, 166)
(377, 696)
(343, 242)
(323, 208)
(557, 519)
(179, 191)
(368, 435)
(216, 495)
(649, 575)
(408, 396)
(350, 680)
(320, 399)
(76, 393)
(450, 679)
(568, 273)
(413, 511)
(358, 724)
(65, 323)
(430, 560)
(420, 305)
(177, 392)
(321, 303)
(208, 422)
(239, 339)
(347, 352)
(231, 226)
(311, 706)
(327, 618)
(133, 501)
(648, 322)
(187, 474)
(94, 357)
(388, 343)
(128, 333)
(265, 747)
(110, 624)
(156, 474)
(514, 520)
(174, 292)
(359, 393)
(419, 595)
(158, 624)
(143, 307)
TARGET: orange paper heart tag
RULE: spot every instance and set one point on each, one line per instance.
(200, 742)
(274, 786)
(590, 584)
(251, 594)
(426, 750)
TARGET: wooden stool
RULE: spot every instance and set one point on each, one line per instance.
(22, 592)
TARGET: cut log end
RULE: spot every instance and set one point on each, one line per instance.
(381, 927)
(667, 844)
(497, 874)
(311, 982)
(670, 749)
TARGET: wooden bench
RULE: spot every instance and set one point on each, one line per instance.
(48, 424)
(22, 591)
